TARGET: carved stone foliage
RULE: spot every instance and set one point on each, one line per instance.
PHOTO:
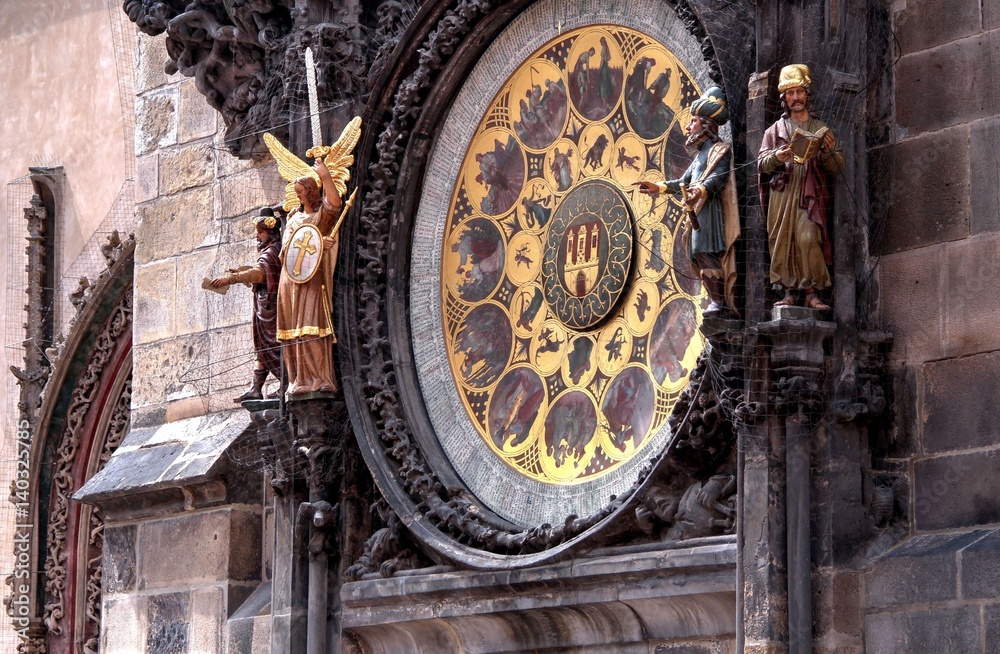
(117, 429)
(63, 483)
(391, 19)
(247, 58)
(389, 550)
(703, 450)
(36, 370)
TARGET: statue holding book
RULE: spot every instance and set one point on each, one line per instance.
(798, 159)
(707, 191)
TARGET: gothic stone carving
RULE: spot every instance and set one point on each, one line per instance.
(117, 428)
(247, 59)
(62, 475)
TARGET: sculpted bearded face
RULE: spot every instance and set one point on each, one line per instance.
(699, 128)
(797, 99)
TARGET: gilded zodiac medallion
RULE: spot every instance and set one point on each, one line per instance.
(569, 307)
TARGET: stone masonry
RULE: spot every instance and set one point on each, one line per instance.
(940, 258)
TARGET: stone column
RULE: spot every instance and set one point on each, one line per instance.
(307, 445)
(797, 360)
(762, 599)
(289, 585)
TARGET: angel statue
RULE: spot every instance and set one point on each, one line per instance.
(309, 256)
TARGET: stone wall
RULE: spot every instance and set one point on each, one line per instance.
(192, 347)
(170, 584)
(188, 572)
(939, 261)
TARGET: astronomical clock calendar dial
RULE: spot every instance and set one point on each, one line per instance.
(569, 307)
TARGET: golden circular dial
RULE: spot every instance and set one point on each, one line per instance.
(569, 304)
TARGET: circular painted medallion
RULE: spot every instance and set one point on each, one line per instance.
(588, 254)
(553, 323)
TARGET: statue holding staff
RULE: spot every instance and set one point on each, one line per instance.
(309, 257)
(708, 192)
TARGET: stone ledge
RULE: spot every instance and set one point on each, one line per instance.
(176, 460)
(620, 598)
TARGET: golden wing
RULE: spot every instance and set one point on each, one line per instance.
(339, 157)
(290, 168)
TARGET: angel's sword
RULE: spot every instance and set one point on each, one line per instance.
(317, 133)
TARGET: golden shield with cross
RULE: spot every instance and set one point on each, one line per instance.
(305, 253)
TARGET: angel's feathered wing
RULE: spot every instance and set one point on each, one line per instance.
(339, 157)
(290, 168)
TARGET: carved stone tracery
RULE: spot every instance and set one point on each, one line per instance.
(63, 482)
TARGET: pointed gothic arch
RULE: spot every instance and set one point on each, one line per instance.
(81, 418)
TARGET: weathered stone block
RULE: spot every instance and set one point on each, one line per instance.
(957, 491)
(911, 306)
(991, 617)
(147, 177)
(208, 608)
(189, 407)
(184, 550)
(955, 416)
(234, 346)
(991, 14)
(838, 606)
(957, 98)
(984, 146)
(230, 165)
(248, 191)
(185, 167)
(981, 568)
(169, 624)
(920, 571)
(175, 225)
(196, 117)
(927, 23)
(929, 202)
(123, 624)
(119, 559)
(151, 55)
(156, 120)
(154, 302)
(236, 306)
(194, 310)
(971, 302)
(952, 630)
(245, 546)
(170, 370)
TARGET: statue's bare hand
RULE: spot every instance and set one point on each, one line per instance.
(784, 153)
(829, 142)
(649, 188)
(219, 282)
(329, 242)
